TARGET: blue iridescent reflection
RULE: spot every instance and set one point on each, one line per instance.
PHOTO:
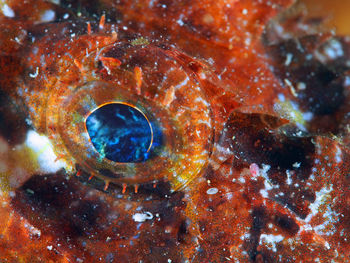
(120, 133)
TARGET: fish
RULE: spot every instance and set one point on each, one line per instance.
(172, 131)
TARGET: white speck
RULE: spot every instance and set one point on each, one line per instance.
(291, 87)
(212, 191)
(326, 244)
(241, 179)
(7, 11)
(47, 16)
(308, 56)
(338, 154)
(271, 239)
(34, 75)
(288, 59)
(247, 41)
(334, 50)
(229, 196)
(19, 41)
(202, 76)
(301, 86)
(264, 193)
(347, 78)
(43, 148)
(151, 3)
(180, 22)
(308, 116)
(33, 230)
(296, 165)
(142, 217)
(263, 172)
(289, 177)
(281, 98)
(245, 236)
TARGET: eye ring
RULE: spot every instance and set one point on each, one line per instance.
(169, 95)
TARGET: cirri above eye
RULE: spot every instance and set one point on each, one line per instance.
(137, 111)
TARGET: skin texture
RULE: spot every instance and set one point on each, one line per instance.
(254, 161)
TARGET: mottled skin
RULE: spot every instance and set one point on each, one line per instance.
(251, 187)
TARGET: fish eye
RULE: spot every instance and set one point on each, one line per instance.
(131, 114)
(121, 133)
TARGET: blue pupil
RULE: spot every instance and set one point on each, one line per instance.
(120, 133)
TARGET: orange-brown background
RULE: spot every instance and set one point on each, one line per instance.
(337, 12)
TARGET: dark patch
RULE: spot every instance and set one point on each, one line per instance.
(13, 123)
(325, 94)
(85, 221)
(294, 201)
(159, 189)
(260, 218)
(297, 199)
(287, 224)
(309, 195)
(182, 232)
(254, 138)
(168, 206)
(156, 243)
(117, 52)
(195, 67)
(85, 215)
(100, 65)
(265, 255)
(55, 200)
(258, 138)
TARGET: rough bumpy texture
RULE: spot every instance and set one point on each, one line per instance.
(249, 102)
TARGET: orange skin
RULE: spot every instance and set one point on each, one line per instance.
(230, 183)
